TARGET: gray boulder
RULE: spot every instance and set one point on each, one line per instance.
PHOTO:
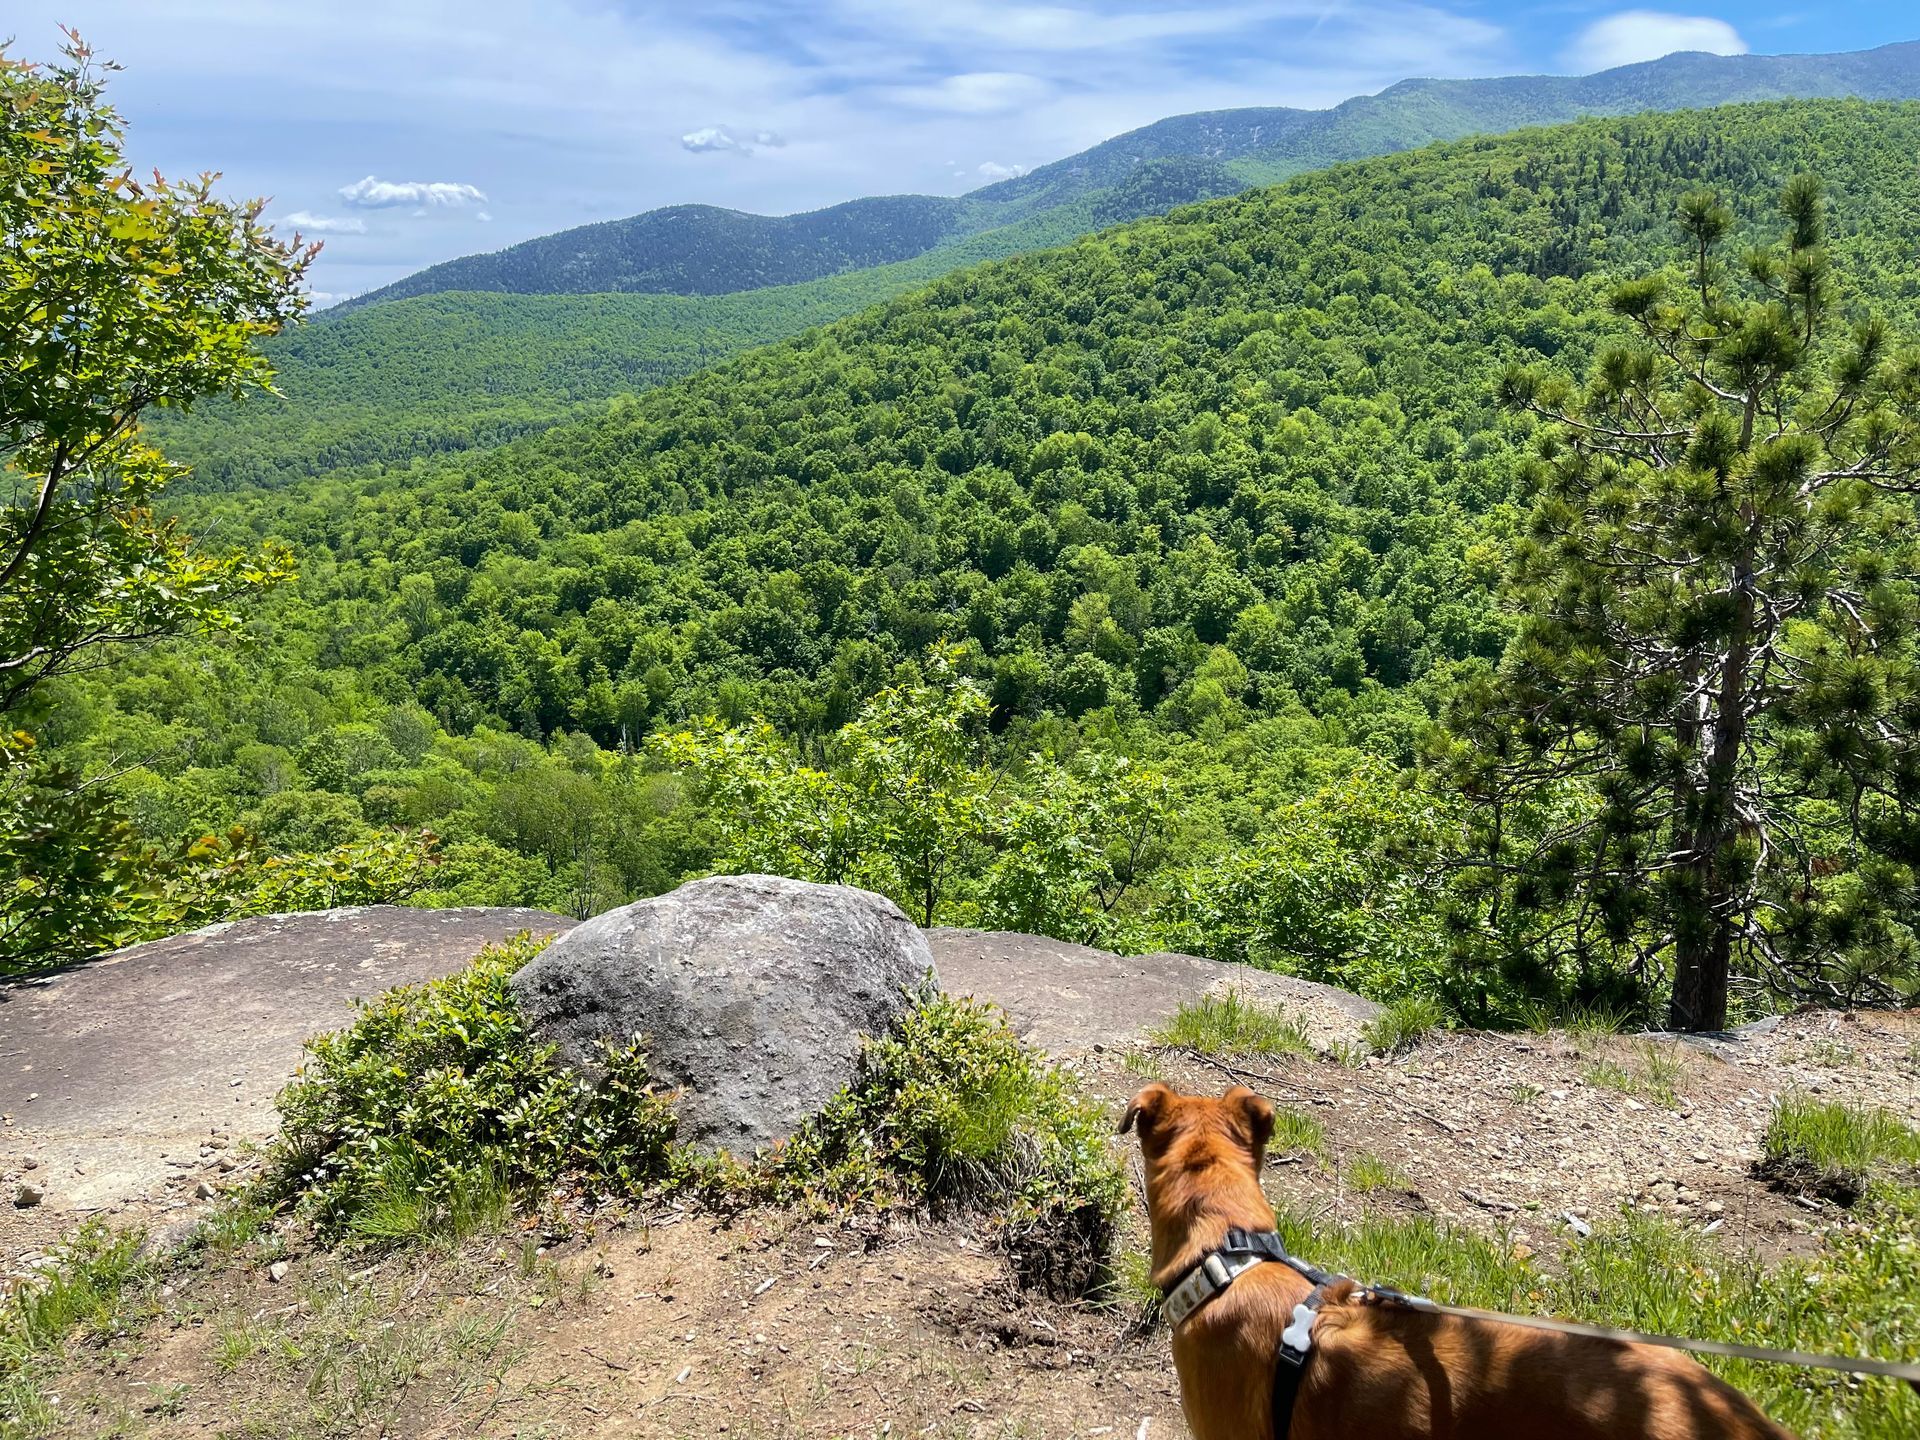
(753, 993)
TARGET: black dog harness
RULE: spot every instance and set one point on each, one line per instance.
(1215, 1271)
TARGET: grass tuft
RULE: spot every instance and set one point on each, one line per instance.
(1654, 1072)
(1232, 1024)
(1404, 1023)
(1368, 1174)
(84, 1288)
(1832, 1149)
(1295, 1132)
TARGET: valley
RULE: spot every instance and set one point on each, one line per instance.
(1411, 607)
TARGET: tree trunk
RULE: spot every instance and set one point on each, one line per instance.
(1700, 967)
(1703, 949)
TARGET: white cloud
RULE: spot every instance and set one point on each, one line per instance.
(978, 92)
(372, 194)
(482, 216)
(1058, 28)
(307, 223)
(993, 170)
(721, 140)
(1636, 35)
(535, 101)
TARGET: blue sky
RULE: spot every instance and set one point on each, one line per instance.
(408, 131)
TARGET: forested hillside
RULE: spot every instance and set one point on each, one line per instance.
(488, 368)
(445, 372)
(1225, 495)
(701, 250)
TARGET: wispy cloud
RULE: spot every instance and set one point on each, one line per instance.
(535, 102)
(372, 194)
(307, 223)
(980, 92)
(1636, 35)
(721, 140)
(991, 170)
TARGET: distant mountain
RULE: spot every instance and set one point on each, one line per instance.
(432, 368)
(703, 250)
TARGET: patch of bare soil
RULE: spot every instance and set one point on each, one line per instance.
(770, 1324)
(678, 1324)
(1534, 1136)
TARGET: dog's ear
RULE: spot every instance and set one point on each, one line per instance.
(1256, 1111)
(1145, 1108)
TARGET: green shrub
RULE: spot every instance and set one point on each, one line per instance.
(953, 1112)
(1404, 1023)
(1231, 1024)
(436, 1105)
(436, 1108)
(1833, 1149)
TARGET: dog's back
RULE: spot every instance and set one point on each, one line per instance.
(1382, 1370)
(1379, 1370)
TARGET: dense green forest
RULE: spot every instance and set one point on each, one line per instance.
(1223, 498)
(443, 372)
(382, 379)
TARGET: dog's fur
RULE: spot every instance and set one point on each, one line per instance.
(1380, 1371)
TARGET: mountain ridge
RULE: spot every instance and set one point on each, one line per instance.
(713, 250)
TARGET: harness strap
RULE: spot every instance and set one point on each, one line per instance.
(1238, 1253)
(1290, 1360)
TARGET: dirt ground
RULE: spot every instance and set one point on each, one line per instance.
(680, 1323)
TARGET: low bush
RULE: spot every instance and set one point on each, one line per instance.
(435, 1106)
(952, 1111)
(436, 1109)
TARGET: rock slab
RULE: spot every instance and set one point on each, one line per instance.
(1069, 999)
(111, 1067)
(750, 991)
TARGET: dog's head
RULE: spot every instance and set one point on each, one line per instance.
(1204, 1157)
(1197, 1132)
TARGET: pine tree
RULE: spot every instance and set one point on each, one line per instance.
(1698, 758)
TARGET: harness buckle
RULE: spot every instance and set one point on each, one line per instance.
(1217, 1271)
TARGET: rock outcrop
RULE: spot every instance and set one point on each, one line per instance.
(117, 1072)
(752, 992)
(1070, 999)
(129, 1081)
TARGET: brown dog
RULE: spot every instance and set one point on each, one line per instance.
(1379, 1371)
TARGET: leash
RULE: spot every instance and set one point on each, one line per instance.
(1846, 1364)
